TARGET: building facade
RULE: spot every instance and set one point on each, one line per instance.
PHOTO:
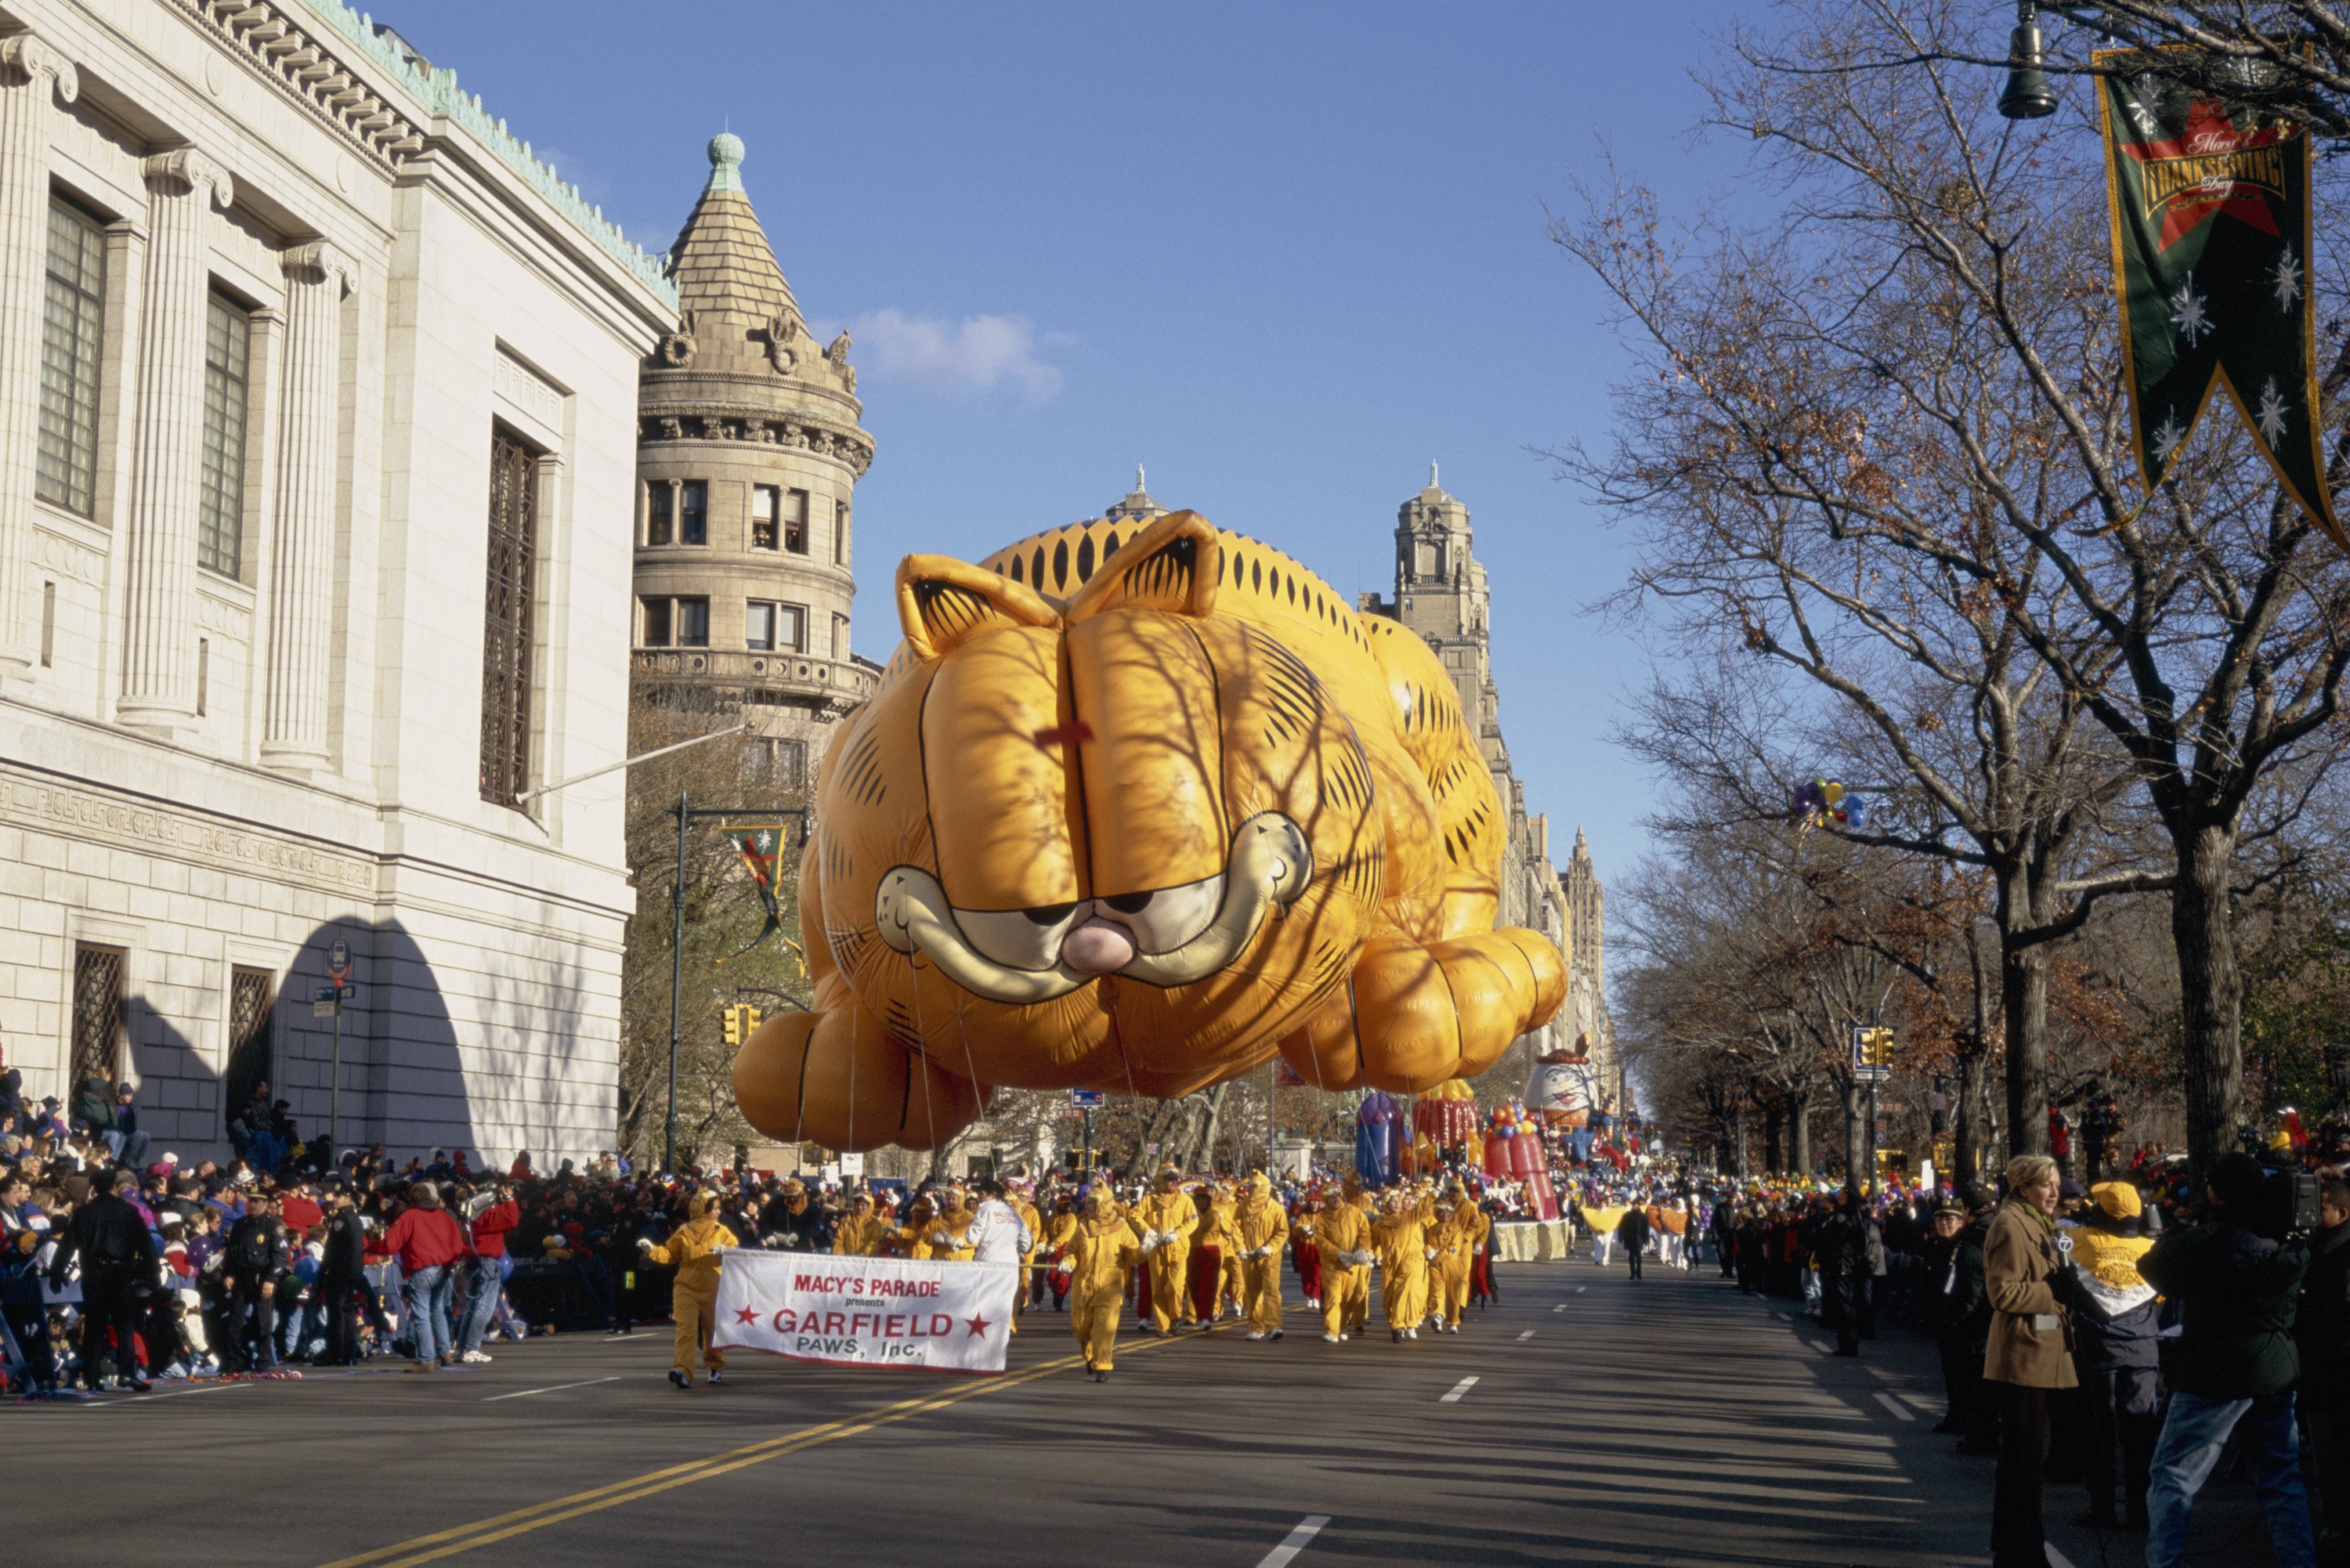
(1441, 593)
(748, 456)
(314, 566)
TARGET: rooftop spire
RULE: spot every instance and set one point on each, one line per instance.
(725, 162)
(727, 280)
(1431, 473)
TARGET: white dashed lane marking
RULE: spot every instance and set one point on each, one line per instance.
(1458, 1388)
(550, 1388)
(1295, 1541)
(1524, 1337)
(1890, 1403)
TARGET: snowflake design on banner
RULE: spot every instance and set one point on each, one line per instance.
(2271, 413)
(2168, 437)
(2189, 319)
(2285, 283)
(2145, 106)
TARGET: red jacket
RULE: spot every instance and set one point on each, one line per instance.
(490, 1228)
(425, 1239)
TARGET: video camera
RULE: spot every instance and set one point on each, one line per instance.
(2287, 1206)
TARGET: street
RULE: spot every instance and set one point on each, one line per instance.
(1584, 1421)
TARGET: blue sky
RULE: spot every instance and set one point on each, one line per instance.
(1281, 255)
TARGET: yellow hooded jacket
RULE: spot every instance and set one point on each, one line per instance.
(693, 1246)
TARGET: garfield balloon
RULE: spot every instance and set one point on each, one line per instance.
(1133, 808)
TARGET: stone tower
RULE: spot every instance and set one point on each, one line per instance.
(748, 454)
(1441, 593)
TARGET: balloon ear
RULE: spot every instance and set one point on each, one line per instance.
(1171, 565)
(941, 601)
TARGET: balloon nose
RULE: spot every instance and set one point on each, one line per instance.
(1098, 946)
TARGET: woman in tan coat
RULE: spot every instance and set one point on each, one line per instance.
(2031, 1352)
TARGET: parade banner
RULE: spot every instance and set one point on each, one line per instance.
(938, 1316)
(2211, 211)
(762, 849)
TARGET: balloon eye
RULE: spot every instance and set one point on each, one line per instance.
(1129, 903)
(1051, 914)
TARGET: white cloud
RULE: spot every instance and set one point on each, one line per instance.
(978, 354)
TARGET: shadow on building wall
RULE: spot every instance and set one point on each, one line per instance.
(403, 1083)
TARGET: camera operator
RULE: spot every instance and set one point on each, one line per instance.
(2235, 1362)
(2320, 1331)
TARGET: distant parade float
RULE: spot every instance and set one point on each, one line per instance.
(1134, 808)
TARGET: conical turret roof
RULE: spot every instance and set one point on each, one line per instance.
(727, 279)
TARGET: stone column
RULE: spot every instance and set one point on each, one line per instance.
(33, 76)
(302, 581)
(157, 649)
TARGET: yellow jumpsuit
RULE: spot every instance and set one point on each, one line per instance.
(1168, 1212)
(1449, 1275)
(1346, 1292)
(1231, 1284)
(859, 1236)
(692, 1250)
(1028, 1276)
(1258, 1222)
(1102, 1251)
(956, 1225)
(1401, 1242)
(912, 1239)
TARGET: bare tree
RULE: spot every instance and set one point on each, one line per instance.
(1897, 413)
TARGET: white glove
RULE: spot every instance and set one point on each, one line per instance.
(644, 1244)
(938, 1239)
(1429, 1252)
(1149, 1243)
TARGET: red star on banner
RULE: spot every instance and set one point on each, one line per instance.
(978, 1325)
(747, 1315)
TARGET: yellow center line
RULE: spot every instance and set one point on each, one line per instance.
(501, 1526)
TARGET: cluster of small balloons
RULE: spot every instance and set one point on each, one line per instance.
(1511, 1119)
(1818, 801)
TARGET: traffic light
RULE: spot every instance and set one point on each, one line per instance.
(740, 1022)
(750, 1019)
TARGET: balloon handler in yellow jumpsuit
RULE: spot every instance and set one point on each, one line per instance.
(1448, 1283)
(1400, 1239)
(1260, 1229)
(1101, 1251)
(1164, 1222)
(1345, 1237)
(692, 1250)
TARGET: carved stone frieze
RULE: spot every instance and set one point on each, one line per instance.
(47, 806)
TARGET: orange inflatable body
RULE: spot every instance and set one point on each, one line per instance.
(1134, 807)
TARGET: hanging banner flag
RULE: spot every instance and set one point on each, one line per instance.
(937, 1315)
(762, 849)
(2211, 209)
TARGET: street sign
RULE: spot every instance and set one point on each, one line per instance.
(339, 961)
(1088, 1099)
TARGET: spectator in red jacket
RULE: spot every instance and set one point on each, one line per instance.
(428, 1241)
(495, 1214)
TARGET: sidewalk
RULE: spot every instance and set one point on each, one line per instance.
(1899, 1371)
